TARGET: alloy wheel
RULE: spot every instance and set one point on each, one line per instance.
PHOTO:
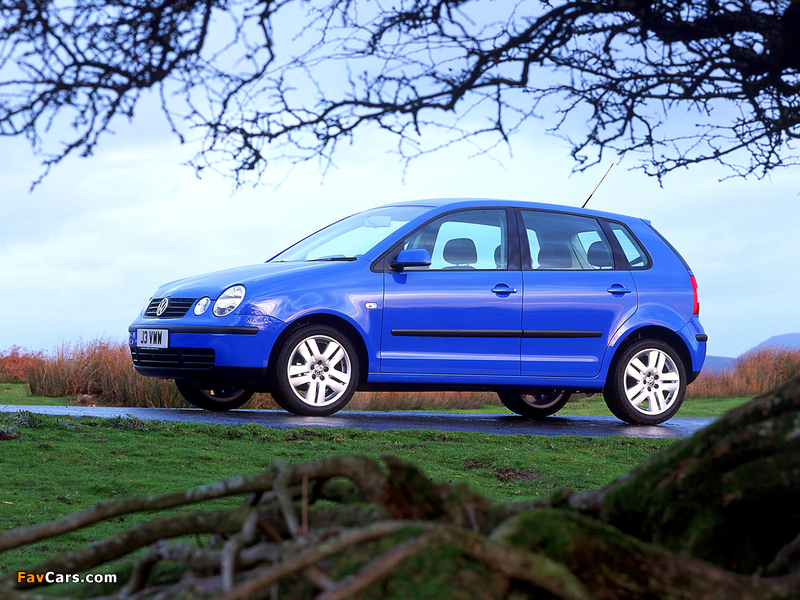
(319, 370)
(652, 381)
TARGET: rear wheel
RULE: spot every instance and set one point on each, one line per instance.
(647, 385)
(535, 406)
(218, 398)
(317, 371)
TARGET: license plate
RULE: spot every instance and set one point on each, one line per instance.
(152, 338)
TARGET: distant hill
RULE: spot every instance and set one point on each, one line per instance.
(718, 363)
(723, 363)
(787, 340)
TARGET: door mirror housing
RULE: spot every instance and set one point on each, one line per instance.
(412, 257)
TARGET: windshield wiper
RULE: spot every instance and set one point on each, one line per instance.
(333, 258)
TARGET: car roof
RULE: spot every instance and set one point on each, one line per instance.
(456, 203)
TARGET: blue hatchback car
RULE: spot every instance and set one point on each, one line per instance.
(532, 301)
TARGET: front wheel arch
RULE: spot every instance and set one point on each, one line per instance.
(317, 371)
(344, 326)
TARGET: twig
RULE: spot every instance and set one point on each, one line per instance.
(364, 472)
(233, 546)
(81, 559)
(513, 563)
(378, 569)
(318, 577)
(313, 556)
(304, 505)
(114, 508)
(281, 489)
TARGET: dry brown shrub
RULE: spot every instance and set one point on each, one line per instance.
(752, 374)
(103, 370)
(15, 364)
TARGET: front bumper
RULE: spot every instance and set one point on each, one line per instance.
(235, 354)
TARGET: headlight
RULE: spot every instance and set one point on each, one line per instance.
(202, 305)
(229, 300)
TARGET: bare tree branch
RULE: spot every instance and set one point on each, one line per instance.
(678, 83)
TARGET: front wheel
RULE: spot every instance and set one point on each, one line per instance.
(535, 406)
(317, 371)
(218, 398)
(647, 385)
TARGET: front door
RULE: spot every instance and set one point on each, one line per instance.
(462, 314)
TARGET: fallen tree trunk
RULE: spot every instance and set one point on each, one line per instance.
(729, 495)
(616, 566)
(716, 516)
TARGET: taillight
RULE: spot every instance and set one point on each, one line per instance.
(696, 304)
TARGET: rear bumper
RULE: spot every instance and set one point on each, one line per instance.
(696, 341)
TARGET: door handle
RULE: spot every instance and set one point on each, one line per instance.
(502, 288)
(618, 289)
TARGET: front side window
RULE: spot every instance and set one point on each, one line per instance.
(559, 241)
(466, 240)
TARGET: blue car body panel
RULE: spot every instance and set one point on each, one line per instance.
(584, 308)
(512, 327)
(450, 322)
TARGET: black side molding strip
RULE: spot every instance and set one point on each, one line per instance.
(213, 329)
(474, 333)
(701, 337)
(496, 333)
(549, 333)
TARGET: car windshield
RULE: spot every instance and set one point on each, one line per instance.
(351, 237)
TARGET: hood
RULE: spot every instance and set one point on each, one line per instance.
(213, 284)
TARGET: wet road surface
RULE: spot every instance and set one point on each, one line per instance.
(504, 424)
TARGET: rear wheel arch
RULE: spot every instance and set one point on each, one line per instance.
(653, 332)
(347, 329)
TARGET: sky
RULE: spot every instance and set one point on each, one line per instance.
(82, 253)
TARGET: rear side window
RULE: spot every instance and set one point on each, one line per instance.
(637, 257)
(560, 241)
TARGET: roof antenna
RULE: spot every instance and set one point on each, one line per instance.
(597, 186)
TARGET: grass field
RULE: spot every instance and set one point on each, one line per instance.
(56, 466)
(19, 394)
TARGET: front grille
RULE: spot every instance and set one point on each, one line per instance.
(177, 308)
(173, 358)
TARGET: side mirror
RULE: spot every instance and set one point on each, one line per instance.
(412, 257)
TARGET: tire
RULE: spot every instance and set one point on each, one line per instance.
(647, 384)
(217, 399)
(535, 406)
(316, 372)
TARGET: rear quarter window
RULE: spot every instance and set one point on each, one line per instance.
(631, 248)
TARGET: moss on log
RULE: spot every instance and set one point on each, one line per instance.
(617, 566)
(729, 495)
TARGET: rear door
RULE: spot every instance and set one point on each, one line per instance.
(574, 297)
